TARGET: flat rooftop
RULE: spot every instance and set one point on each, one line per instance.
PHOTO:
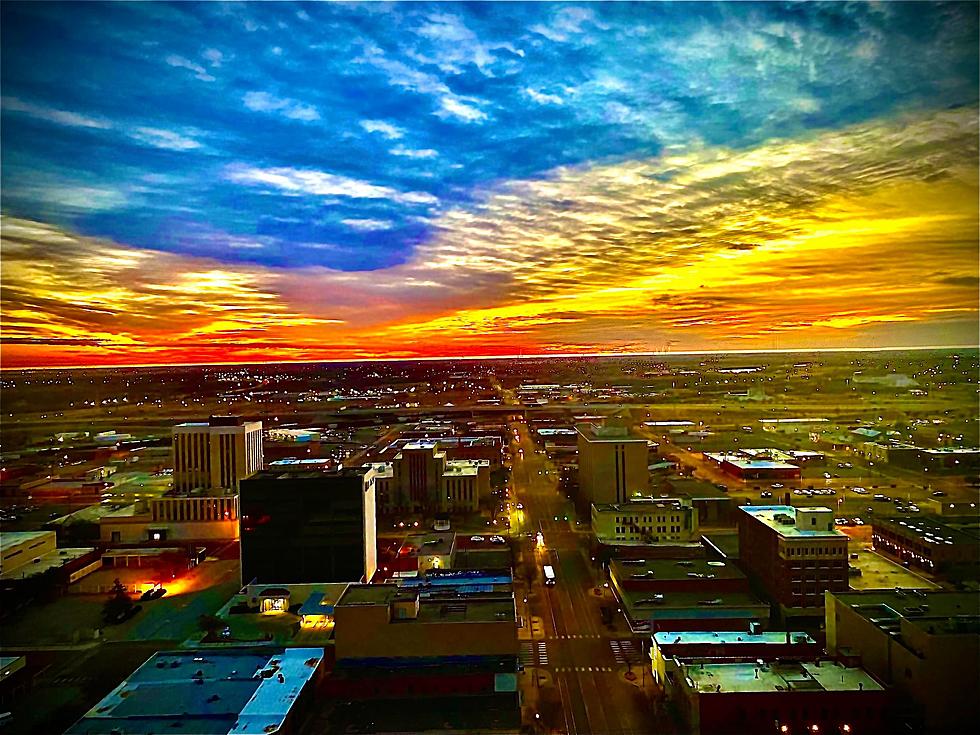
(50, 560)
(784, 677)
(767, 514)
(369, 594)
(759, 464)
(641, 506)
(466, 611)
(730, 638)
(696, 570)
(937, 612)
(10, 539)
(645, 605)
(423, 544)
(205, 692)
(933, 530)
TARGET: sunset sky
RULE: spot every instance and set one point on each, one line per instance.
(256, 182)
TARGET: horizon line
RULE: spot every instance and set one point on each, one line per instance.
(536, 356)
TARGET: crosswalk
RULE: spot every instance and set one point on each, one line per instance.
(534, 653)
(580, 669)
(570, 636)
(624, 651)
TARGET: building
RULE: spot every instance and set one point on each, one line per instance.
(308, 526)
(711, 502)
(939, 460)
(211, 692)
(778, 697)
(759, 469)
(685, 594)
(186, 519)
(936, 544)
(792, 555)
(489, 448)
(482, 552)
(644, 521)
(422, 551)
(422, 479)
(33, 555)
(925, 644)
(612, 464)
(218, 453)
(445, 634)
(668, 649)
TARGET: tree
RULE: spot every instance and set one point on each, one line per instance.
(210, 624)
(118, 604)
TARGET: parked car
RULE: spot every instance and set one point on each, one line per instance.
(154, 594)
(765, 494)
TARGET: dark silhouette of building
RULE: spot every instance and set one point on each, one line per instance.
(308, 526)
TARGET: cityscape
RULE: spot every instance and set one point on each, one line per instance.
(541, 368)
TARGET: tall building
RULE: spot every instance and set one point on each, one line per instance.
(306, 526)
(612, 464)
(793, 555)
(924, 644)
(421, 478)
(218, 453)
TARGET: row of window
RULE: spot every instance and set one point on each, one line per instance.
(649, 519)
(647, 529)
(838, 550)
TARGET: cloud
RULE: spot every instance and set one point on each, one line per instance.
(60, 117)
(452, 46)
(414, 152)
(181, 63)
(368, 225)
(166, 139)
(323, 184)
(543, 98)
(293, 109)
(566, 23)
(449, 104)
(214, 57)
(389, 131)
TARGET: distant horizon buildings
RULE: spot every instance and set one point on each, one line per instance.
(216, 454)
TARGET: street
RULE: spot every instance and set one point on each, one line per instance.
(580, 675)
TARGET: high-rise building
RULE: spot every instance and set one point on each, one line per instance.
(612, 464)
(793, 555)
(308, 526)
(218, 453)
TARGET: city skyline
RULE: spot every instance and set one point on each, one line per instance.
(259, 182)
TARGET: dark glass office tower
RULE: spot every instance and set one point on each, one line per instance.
(308, 526)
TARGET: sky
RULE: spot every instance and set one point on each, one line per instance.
(245, 182)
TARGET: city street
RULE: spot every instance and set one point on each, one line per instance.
(578, 672)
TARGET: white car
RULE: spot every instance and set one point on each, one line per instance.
(859, 490)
